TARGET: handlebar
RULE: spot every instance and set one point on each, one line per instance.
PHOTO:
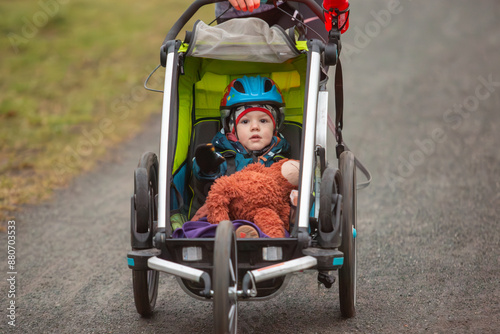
(197, 4)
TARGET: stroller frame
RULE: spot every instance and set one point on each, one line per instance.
(225, 269)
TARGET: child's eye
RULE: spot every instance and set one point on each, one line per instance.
(264, 120)
(244, 121)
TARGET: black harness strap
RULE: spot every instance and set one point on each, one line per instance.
(230, 161)
(339, 123)
(339, 97)
(339, 109)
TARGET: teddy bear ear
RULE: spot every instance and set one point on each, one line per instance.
(291, 171)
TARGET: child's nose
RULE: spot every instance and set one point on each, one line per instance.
(255, 125)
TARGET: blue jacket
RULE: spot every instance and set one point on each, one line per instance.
(237, 157)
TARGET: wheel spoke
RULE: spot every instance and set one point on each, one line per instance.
(231, 270)
(152, 283)
(232, 317)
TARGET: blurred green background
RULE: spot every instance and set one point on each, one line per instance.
(71, 86)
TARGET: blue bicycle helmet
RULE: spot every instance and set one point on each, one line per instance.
(251, 91)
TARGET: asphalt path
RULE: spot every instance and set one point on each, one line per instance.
(422, 98)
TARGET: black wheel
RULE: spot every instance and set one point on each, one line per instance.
(329, 225)
(347, 274)
(145, 191)
(225, 279)
(145, 283)
(145, 213)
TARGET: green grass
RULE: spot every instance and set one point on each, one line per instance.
(71, 81)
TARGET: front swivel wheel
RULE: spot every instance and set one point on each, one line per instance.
(347, 274)
(145, 283)
(225, 278)
(143, 227)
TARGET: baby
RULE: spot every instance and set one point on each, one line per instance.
(252, 111)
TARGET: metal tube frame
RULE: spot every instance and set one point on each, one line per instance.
(182, 271)
(164, 142)
(253, 277)
(308, 159)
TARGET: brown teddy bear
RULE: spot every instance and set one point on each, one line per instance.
(256, 193)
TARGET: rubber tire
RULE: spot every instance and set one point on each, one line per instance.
(347, 274)
(225, 278)
(145, 284)
(328, 188)
(145, 191)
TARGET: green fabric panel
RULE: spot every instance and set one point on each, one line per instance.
(185, 90)
(291, 87)
(211, 76)
(208, 93)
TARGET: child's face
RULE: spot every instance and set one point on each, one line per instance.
(255, 130)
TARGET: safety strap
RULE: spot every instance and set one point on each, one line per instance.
(231, 165)
(178, 195)
(339, 123)
(339, 108)
(339, 96)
